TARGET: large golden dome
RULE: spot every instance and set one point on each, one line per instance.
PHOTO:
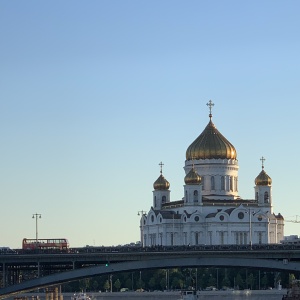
(192, 177)
(263, 178)
(161, 183)
(211, 144)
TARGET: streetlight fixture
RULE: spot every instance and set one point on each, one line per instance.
(251, 213)
(36, 217)
(110, 282)
(142, 213)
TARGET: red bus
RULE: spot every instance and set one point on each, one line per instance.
(30, 244)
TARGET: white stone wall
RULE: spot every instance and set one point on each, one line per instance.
(194, 228)
(208, 168)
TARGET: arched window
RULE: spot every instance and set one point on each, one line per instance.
(195, 196)
(172, 238)
(155, 201)
(212, 182)
(196, 238)
(231, 183)
(260, 237)
(210, 237)
(186, 196)
(222, 237)
(163, 200)
(266, 197)
(256, 196)
(222, 183)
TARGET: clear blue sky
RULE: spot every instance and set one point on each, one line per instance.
(94, 94)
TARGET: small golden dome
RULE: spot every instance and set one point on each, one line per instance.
(161, 183)
(263, 178)
(192, 177)
(211, 144)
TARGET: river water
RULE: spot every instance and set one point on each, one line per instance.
(207, 295)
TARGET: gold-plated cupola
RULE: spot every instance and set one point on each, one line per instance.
(263, 178)
(161, 182)
(192, 177)
(211, 144)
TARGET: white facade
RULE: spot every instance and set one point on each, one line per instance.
(211, 212)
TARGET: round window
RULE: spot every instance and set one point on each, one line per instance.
(222, 218)
(259, 218)
(196, 219)
(241, 215)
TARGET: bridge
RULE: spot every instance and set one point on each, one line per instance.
(59, 267)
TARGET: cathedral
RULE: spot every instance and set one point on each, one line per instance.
(211, 212)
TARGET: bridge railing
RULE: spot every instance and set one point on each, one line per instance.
(157, 248)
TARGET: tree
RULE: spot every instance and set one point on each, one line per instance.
(152, 283)
(84, 284)
(211, 281)
(264, 281)
(106, 285)
(239, 283)
(225, 282)
(128, 283)
(291, 278)
(181, 283)
(250, 281)
(95, 285)
(117, 284)
(140, 283)
(163, 283)
(175, 283)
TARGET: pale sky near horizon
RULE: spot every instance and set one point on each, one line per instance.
(94, 94)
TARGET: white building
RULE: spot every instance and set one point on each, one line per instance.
(211, 211)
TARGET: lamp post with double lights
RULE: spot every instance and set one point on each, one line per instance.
(142, 213)
(36, 217)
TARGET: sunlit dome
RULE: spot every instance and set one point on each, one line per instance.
(263, 178)
(161, 182)
(211, 144)
(192, 177)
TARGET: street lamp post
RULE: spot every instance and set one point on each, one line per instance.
(251, 213)
(173, 234)
(142, 213)
(250, 228)
(36, 217)
(110, 282)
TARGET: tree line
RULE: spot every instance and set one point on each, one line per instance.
(183, 278)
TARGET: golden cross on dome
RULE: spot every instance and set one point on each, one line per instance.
(210, 104)
(262, 161)
(161, 165)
